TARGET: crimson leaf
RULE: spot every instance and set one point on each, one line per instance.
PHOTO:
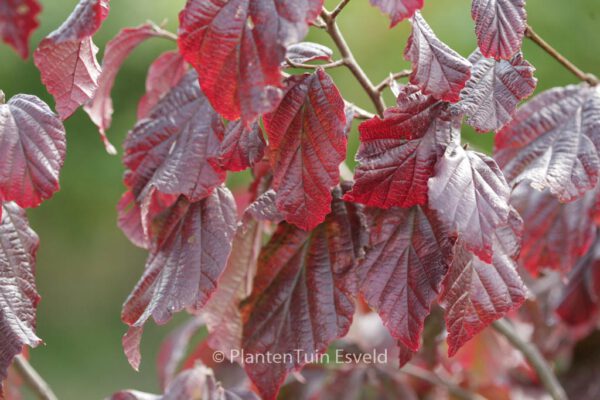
(409, 254)
(18, 20)
(398, 10)
(471, 195)
(237, 48)
(491, 96)
(437, 69)
(164, 73)
(303, 293)
(67, 57)
(175, 150)
(32, 150)
(301, 53)
(500, 26)
(190, 246)
(307, 143)
(553, 142)
(19, 299)
(242, 146)
(556, 235)
(476, 293)
(397, 155)
(100, 108)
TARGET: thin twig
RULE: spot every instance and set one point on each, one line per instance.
(349, 61)
(436, 380)
(535, 359)
(163, 33)
(359, 113)
(334, 64)
(32, 379)
(589, 78)
(390, 79)
(336, 11)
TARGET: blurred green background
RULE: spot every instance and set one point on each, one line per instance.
(86, 267)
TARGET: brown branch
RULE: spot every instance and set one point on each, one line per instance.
(334, 64)
(436, 380)
(32, 379)
(392, 78)
(161, 32)
(359, 113)
(336, 11)
(534, 37)
(534, 358)
(349, 61)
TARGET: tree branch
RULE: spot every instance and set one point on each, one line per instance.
(359, 113)
(436, 380)
(32, 379)
(336, 11)
(534, 358)
(349, 61)
(163, 33)
(534, 37)
(392, 78)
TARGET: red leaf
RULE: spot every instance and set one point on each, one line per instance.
(477, 293)
(242, 146)
(237, 48)
(500, 26)
(307, 143)
(302, 53)
(398, 10)
(397, 155)
(100, 107)
(556, 235)
(175, 150)
(18, 20)
(494, 90)
(553, 142)
(190, 246)
(130, 220)
(164, 73)
(32, 150)
(303, 293)
(409, 254)
(19, 300)
(437, 69)
(471, 196)
(67, 57)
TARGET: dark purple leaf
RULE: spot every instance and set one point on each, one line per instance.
(500, 26)
(242, 146)
(304, 52)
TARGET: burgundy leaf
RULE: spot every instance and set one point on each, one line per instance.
(190, 246)
(242, 146)
(19, 299)
(556, 235)
(397, 155)
(100, 107)
(470, 195)
(304, 52)
(553, 142)
(175, 150)
(164, 73)
(580, 300)
(237, 48)
(477, 293)
(307, 143)
(130, 220)
(398, 10)
(131, 346)
(409, 254)
(437, 69)
(303, 295)
(500, 26)
(67, 57)
(32, 150)
(494, 90)
(18, 20)
(264, 209)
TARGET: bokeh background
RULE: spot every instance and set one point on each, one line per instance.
(86, 267)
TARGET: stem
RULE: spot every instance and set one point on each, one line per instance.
(390, 79)
(535, 359)
(436, 380)
(349, 61)
(339, 8)
(32, 379)
(589, 78)
(359, 113)
(163, 33)
(333, 64)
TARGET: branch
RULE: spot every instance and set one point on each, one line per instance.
(336, 11)
(392, 78)
(535, 359)
(359, 113)
(32, 379)
(436, 380)
(589, 78)
(161, 32)
(333, 64)
(349, 61)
